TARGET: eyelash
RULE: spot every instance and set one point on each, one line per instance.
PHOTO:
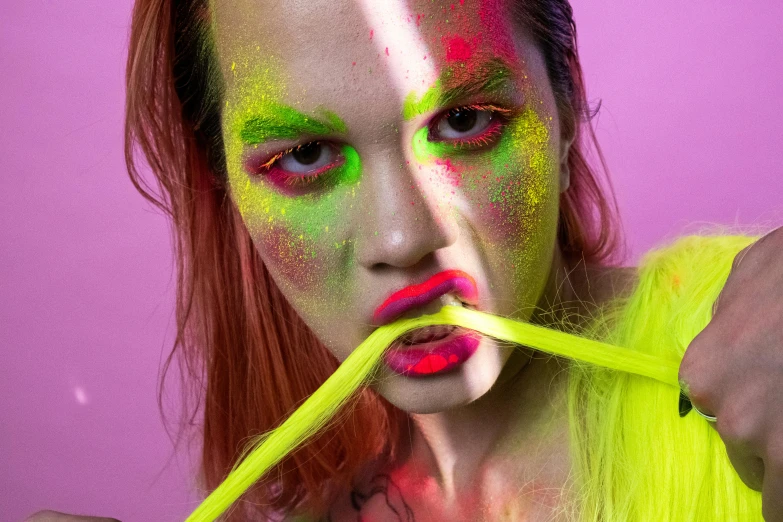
(500, 118)
(288, 181)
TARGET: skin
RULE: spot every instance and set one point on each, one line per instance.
(734, 367)
(402, 203)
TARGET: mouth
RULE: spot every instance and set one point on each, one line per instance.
(436, 349)
(432, 350)
(450, 287)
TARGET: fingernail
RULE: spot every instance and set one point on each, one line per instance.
(685, 404)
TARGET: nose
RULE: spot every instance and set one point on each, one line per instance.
(402, 222)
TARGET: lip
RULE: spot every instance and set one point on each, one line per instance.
(455, 282)
(433, 358)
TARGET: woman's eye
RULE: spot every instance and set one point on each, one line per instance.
(301, 168)
(308, 159)
(463, 123)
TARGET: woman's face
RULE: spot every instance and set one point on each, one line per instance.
(391, 157)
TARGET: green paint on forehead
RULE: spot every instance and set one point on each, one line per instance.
(254, 112)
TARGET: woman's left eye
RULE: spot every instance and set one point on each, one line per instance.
(464, 124)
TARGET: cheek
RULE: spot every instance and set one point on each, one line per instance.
(300, 241)
(522, 188)
(293, 258)
(511, 192)
(521, 202)
(510, 195)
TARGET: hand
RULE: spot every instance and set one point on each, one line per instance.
(733, 370)
(54, 516)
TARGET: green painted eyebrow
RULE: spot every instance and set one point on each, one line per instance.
(280, 122)
(493, 76)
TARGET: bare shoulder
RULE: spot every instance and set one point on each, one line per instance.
(604, 284)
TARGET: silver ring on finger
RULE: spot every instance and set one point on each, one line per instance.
(709, 418)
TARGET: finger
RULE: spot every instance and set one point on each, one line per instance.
(740, 256)
(715, 304)
(772, 494)
(698, 379)
(749, 467)
(734, 266)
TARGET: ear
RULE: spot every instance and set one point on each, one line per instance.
(566, 142)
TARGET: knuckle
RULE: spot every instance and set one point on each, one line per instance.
(737, 428)
(697, 384)
(741, 254)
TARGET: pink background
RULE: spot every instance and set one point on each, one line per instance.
(691, 126)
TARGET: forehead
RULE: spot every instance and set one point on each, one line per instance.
(349, 53)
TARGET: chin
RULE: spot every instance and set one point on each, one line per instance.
(442, 392)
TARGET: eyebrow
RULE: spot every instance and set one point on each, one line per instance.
(491, 76)
(281, 122)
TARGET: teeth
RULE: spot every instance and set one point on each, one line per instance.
(450, 300)
(427, 334)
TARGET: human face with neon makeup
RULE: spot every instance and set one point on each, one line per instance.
(389, 158)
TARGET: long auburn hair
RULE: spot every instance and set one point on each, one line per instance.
(236, 334)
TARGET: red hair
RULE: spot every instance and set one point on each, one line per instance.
(236, 334)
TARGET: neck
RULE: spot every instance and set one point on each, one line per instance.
(516, 421)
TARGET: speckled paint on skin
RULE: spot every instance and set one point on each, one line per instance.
(507, 183)
(296, 232)
(514, 182)
(518, 190)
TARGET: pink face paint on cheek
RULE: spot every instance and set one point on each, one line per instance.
(293, 257)
(451, 172)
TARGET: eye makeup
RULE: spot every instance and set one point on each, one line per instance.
(306, 168)
(280, 122)
(291, 195)
(490, 78)
(505, 171)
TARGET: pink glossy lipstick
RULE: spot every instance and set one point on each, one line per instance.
(454, 282)
(441, 356)
(434, 349)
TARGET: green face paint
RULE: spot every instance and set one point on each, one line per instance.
(298, 234)
(512, 185)
(458, 82)
(414, 105)
(280, 122)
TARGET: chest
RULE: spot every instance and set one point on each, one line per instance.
(395, 497)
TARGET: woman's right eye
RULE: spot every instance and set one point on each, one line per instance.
(299, 166)
(308, 158)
